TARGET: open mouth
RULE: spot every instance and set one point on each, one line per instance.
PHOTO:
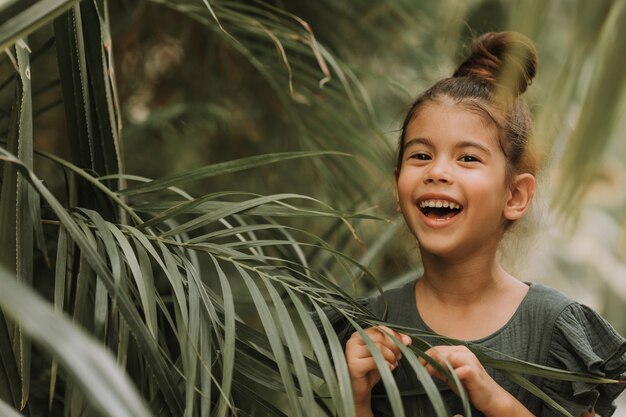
(440, 209)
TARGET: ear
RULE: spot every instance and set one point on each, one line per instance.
(521, 194)
(396, 175)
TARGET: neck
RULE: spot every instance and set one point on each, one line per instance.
(462, 281)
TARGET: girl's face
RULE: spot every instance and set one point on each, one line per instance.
(451, 187)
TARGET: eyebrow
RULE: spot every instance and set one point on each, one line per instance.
(471, 144)
(463, 144)
(418, 141)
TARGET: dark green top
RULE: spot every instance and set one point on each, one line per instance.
(548, 329)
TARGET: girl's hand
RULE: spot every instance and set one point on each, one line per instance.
(484, 392)
(363, 371)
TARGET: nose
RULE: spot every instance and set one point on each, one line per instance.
(439, 171)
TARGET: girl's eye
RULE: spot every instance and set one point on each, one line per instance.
(469, 158)
(420, 156)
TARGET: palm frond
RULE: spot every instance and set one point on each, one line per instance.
(90, 365)
(30, 18)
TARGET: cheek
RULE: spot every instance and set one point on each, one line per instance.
(405, 186)
(493, 196)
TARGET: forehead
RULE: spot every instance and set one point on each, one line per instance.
(448, 121)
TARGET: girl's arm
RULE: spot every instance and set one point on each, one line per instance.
(484, 392)
(363, 371)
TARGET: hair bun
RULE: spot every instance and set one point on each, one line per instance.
(502, 58)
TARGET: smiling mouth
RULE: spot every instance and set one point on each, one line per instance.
(440, 209)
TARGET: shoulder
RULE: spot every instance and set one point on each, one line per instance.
(547, 306)
(393, 302)
(549, 298)
(575, 326)
(581, 331)
(571, 318)
(582, 341)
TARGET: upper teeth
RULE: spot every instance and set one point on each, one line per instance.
(439, 204)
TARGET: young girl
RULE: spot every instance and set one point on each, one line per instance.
(464, 175)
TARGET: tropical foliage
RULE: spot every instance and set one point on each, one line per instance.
(185, 182)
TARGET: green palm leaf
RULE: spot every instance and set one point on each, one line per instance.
(98, 265)
(30, 18)
(90, 365)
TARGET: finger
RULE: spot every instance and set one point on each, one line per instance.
(461, 361)
(429, 356)
(382, 339)
(379, 333)
(456, 357)
(391, 334)
(391, 356)
(433, 357)
(373, 333)
(359, 368)
(403, 338)
(376, 335)
(463, 357)
(435, 373)
(451, 355)
(368, 363)
(362, 351)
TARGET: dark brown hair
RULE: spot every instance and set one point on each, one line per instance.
(491, 81)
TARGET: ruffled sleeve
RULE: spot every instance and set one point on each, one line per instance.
(582, 341)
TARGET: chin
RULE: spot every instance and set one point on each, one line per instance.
(438, 249)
